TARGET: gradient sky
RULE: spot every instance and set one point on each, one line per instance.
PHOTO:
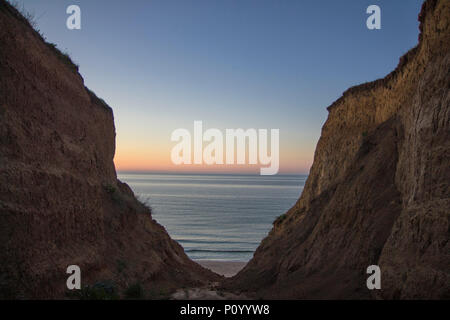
(232, 64)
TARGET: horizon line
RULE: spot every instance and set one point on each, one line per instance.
(137, 171)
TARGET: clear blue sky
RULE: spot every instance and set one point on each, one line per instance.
(251, 64)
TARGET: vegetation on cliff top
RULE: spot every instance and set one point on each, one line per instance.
(29, 19)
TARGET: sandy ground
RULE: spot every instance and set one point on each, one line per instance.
(210, 292)
(224, 268)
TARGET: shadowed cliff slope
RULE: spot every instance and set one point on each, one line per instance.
(60, 201)
(378, 191)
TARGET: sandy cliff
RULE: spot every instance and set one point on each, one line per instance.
(378, 191)
(60, 200)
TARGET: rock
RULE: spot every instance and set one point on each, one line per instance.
(60, 201)
(378, 191)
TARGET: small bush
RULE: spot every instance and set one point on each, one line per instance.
(109, 188)
(99, 291)
(115, 194)
(158, 294)
(63, 56)
(144, 203)
(30, 19)
(95, 99)
(280, 219)
(135, 291)
(24, 14)
(124, 200)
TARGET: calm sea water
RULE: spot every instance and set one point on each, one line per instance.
(216, 217)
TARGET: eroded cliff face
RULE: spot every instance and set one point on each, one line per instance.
(378, 191)
(60, 201)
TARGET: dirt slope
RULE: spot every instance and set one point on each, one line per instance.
(60, 200)
(378, 191)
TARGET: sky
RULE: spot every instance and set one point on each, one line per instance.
(161, 65)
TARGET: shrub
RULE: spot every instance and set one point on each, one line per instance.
(24, 15)
(109, 189)
(280, 219)
(30, 19)
(135, 291)
(158, 293)
(63, 56)
(144, 203)
(115, 194)
(99, 291)
(125, 200)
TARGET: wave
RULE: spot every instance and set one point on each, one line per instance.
(221, 251)
(212, 242)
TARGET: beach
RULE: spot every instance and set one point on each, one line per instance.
(211, 292)
(224, 268)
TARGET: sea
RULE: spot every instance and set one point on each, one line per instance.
(216, 217)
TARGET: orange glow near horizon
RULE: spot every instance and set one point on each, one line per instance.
(156, 158)
(140, 147)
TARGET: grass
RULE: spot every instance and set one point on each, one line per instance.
(123, 200)
(24, 15)
(110, 189)
(115, 194)
(158, 294)
(30, 19)
(144, 202)
(105, 290)
(63, 56)
(280, 219)
(135, 291)
(95, 98)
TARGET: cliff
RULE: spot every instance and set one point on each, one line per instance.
(378, 190)
(60, 201)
